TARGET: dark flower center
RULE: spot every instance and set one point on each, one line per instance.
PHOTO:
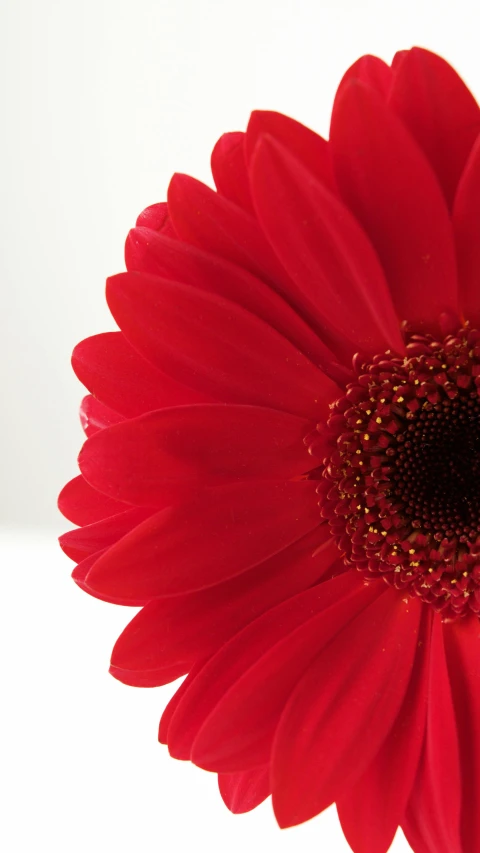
(400, 475)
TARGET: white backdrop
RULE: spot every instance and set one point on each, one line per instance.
(102, 101)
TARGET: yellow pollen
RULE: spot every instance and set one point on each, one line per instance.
(430, 570)
(366, 437)
(378, 421)
(417, 382)
(454, 580)
(411, 551)
(400, 399)
(384, 532)
(368, 412)
(465, 574)
(359, 506)
(358, 451)
(359, 421)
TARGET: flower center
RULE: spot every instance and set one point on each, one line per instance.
(400, 482)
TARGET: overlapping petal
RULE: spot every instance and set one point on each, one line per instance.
(440, 112)
(371, 810)
(433, 816)
(217, 535)
(229, 169)
(324, 740)
(114, 372)
(149, 252)
(234, 660)
(389, 185)
(326, 253)
(178, 630)
(82, 504)
(217, 347)
(308, 147)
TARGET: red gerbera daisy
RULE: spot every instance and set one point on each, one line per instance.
(283, 461)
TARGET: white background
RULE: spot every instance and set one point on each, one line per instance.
(102, 100)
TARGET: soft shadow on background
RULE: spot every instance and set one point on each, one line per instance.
(102, 101)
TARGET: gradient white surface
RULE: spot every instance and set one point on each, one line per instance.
(102, 101)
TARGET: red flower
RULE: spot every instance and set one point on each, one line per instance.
(283, 461)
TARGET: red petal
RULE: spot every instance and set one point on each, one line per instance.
(238, 733)
(213, 344)
(438, 109)
(326, 253)
(433, 816)
(343, 708)
(222, 671)
(307, 146)
(159, 457)
(81, 571)
(466, 224)
(156, 217)
(82, 504)
(219, 534)
(462, 640)
(115, 373)
(391, 188)
(175, 701)
(372, 71)
(84, 541)
(373, 808)
(242, 792)
(95, 416)
(152, 253)
(209, 221)
(229, 169)
(178, 630)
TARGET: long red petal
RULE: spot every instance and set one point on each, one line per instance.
(153, 253)
(325, 251)
(214, 345)
(388, 183)
(440, 112)
(160, 456)
(325, 740)
(219, 534)
(433, 816)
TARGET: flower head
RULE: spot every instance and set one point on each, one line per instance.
(283, 458)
